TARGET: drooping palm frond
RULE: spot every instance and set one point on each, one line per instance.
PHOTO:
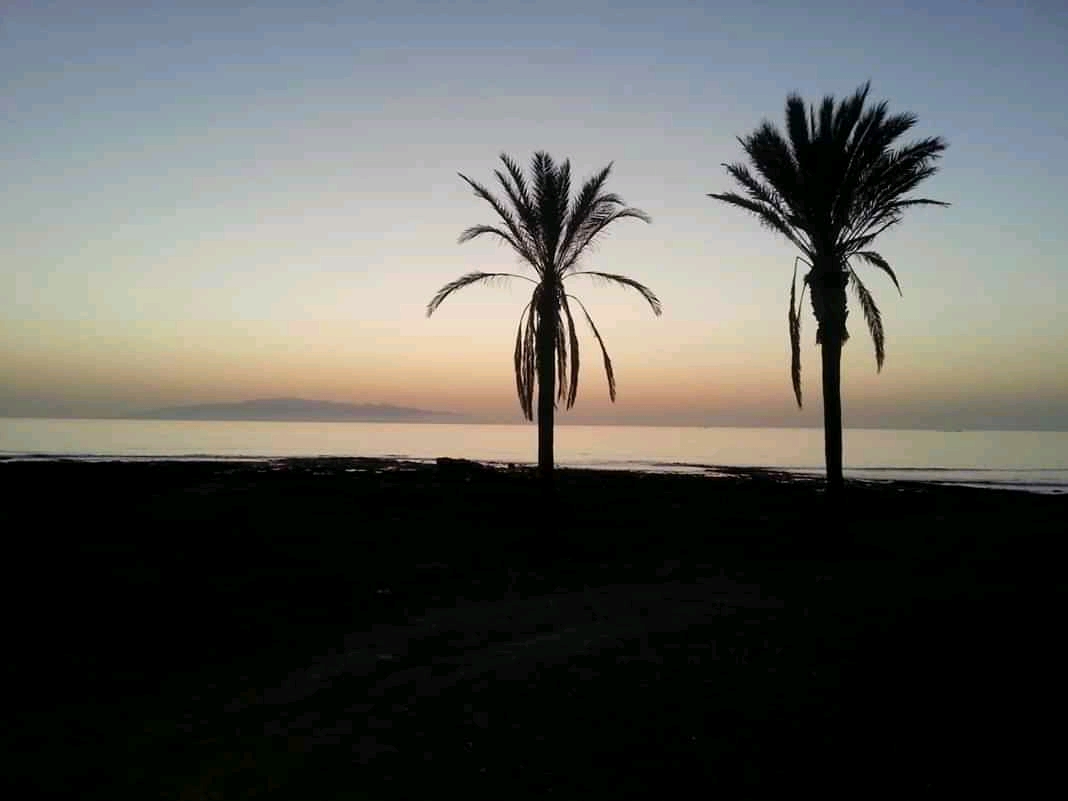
(524, 361)
(794, 319)
(873, 258)
(871, 316)
(561, 341)
(609, 373)
(622, 280)
(467, 280)
(573, 344)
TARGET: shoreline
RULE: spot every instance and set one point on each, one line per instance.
(897, 475)
(306, 627)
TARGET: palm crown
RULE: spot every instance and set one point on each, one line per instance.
(550, 231)
(831, 186)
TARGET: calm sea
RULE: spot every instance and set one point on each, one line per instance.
(1029, 460)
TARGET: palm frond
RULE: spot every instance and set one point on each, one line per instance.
(879, 195)
(591, 228)
(829, 162)
(857, 243)
(562, 198)
(767, 214)
(522, 246)
(892, 175)
(467, 280)
(518, 191)
(765, 194)
(604, 351)
(527, 217)
(524, 363)
(795, 333)
(869, 139)
(582, 208)
(530, 357)
(517, 187)
(622, 280)
(797, 128)
(848, 114)
(768, 205)
(572, 390)
(552, 185)
(871, 316)
(478, 230)
(773, 159)
(873, 258)
(560, 343)
(826, 120)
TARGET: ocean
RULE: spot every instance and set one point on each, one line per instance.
(1035, 461)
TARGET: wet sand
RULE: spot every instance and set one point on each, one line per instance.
(321, 629)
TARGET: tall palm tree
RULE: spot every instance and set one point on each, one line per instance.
(831, 185)
(550, 231)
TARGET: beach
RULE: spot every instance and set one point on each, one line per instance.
(371, 628)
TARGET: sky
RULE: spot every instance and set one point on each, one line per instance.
(213, 202)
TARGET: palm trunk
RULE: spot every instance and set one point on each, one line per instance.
(829, 304)
(546, 390)
(832, 412)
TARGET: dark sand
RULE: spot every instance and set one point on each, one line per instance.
(350, 629)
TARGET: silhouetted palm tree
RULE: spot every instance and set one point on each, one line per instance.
(831, 188)
(550, 231)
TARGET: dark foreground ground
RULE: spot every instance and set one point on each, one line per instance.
(356, 629)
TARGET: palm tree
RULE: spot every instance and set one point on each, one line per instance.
(550, 231)
(831, 186)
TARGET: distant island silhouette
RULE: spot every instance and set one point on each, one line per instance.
(297, 409)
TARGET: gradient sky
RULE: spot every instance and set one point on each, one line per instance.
(210, 205)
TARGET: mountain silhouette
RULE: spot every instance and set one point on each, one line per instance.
(296, 409)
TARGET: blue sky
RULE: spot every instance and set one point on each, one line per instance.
(224, 202)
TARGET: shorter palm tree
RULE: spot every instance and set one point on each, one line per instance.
(550, 231)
